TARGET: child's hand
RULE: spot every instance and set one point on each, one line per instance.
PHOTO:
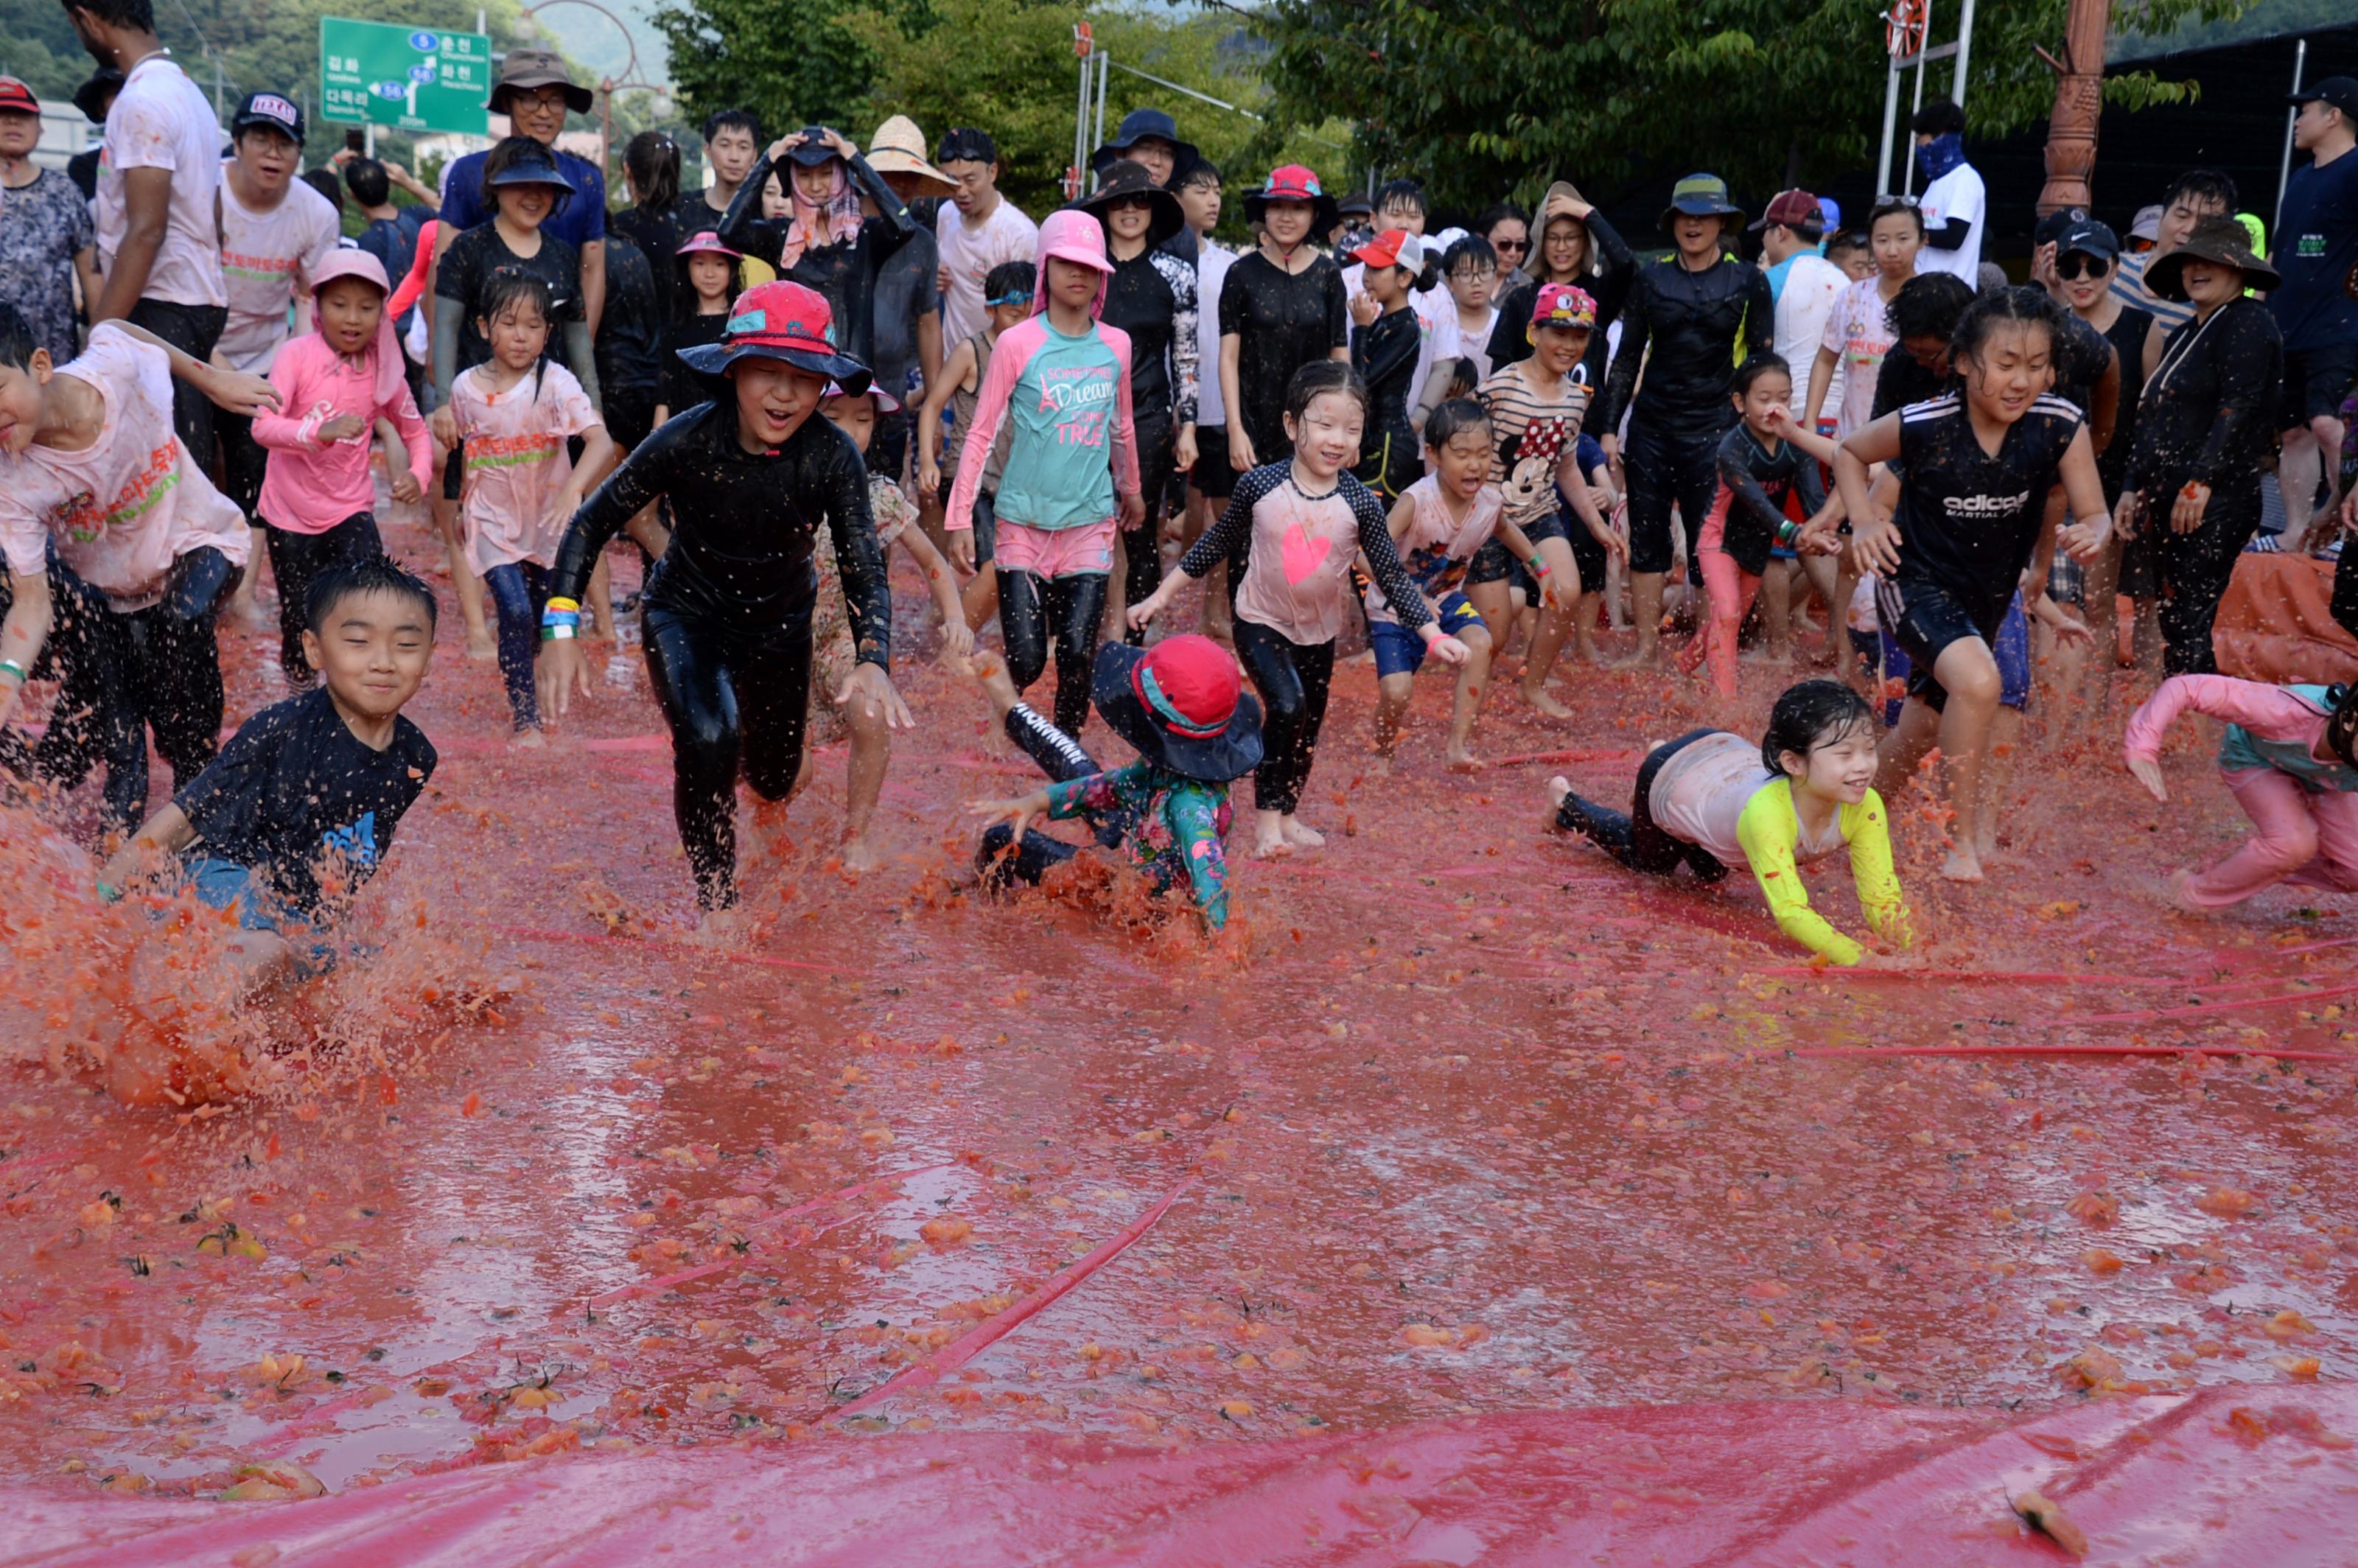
(240, 394)
(1131, 510)
(962, 550)
(872, 689)
(443, 425)
(929, 478)
(2085, 541)
(989, 814)
(342, 428)
(1241, 456)
(1780, 420)
(1147, 608)
(2146, 770)
(1364, 310)
(405, 488)
(1875, 548)
(958, 642)
(1450, 651)
(561, 671)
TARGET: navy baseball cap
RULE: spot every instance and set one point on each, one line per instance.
(273, 109)
(2090, 238)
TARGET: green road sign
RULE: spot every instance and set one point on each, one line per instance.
(412, 79)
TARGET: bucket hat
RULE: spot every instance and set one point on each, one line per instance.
(899, 148)
(1123, 179)
(1700, 196)
(91, 96)
(534, 166)
(1140, 125)
(1180, 704)
(2220, 240)
(537, 68)
(779, 320)
(1292, 182)
(705, 242)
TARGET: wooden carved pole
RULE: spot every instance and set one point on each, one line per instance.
(2079, 104)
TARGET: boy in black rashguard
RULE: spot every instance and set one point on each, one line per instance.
(1385, 340)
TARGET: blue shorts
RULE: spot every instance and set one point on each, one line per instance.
(1399, 650)
(225, 884)
(2011, 648)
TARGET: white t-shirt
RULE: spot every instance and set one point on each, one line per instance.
(517, 462)
(969, 252)
(1856, 332)
(1957, 196)
(1212, 264)
(160, 120)
(1700, 793)
(1450, 340)
(127, 506)
(1813, 284)
(268, 260)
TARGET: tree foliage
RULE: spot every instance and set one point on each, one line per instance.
(1484, 97)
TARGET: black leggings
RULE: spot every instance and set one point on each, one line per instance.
(2195, 568)
(1637, 841)
(1001, 860)
(296, 560)
(1142, 545)
(1293, 679)
(736, 703)
(1031, 611)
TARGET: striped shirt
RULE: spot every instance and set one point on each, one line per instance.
(1530, 432)
(2128, 288)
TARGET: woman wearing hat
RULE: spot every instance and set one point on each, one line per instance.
(752, 474)
(1151, 296)
(1691, 320)
(2204, 426)
(1182, 708)
(535, 92)
(826, 243)
(1576, 247)
(908, 315)
(1282, 307)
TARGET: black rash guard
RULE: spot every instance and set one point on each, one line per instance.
(1151, 296)
(740, 556)
(844, 273)
(1691, 320)
(2204, 418)
(1606, 281)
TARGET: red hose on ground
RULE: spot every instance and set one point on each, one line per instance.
(2147, 1015)
(958, 1352)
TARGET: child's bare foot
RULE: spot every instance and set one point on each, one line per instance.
(1558, 788)
(247, 614)
(1298, 836)
(529, 741)
(1269, 837)
(1584, 647)
(2173, 887)
(1961, 865)
(719, 926)
(482, 647)
(1463, 761)
(1648, 655)
(859, 855)
(1537, 696)
(1380, 765)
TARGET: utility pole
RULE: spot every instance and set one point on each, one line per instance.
(2079, 107)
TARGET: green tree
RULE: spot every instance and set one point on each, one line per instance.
(1484, 98)
(792, 67)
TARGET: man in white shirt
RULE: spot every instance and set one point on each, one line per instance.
(1803, 283)
(1954, 202)
(978, 229)
(158, 225)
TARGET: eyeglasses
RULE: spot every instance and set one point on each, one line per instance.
(1899, 202)
(2071, 263)
(1473, 274)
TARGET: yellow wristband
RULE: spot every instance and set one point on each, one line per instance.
(560, 603)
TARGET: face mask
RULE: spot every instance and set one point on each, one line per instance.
(1945, 152)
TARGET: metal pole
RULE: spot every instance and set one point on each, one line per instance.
(1890, 126)
(2292, 111)
(368, 138)
(1098, 140)
(1964, 53)
(1907, 159)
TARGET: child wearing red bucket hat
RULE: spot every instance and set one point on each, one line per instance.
(1060, 377)
(1182, 706)
(752, 475)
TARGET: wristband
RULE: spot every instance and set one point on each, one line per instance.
(16, 669)
(108, 893)
(556, 602)
(558, 633)
(1539, 568)
(1787, 530)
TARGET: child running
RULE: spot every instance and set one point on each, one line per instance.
(1974, 467)
(1438, 528)
(836, 656)
(752, 475)
(1764, 459)
(515, 413)
(1007, 300)
(1712, 800)
(2287, 756)
(1061, 379)
(1290, 536)
(1181, 706)
(317, 501)
(299, 810)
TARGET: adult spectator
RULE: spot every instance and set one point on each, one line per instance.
(159, 200)
(388, 232)
(842, 224)
(1955, 203)
(274, 232)
(93, 98)
(535, 93)
(653, 219)
(1803, 284)
(1700, 313)
(732, 144)
(1150, 138)
(978, 229)
(1574, 246)
(2316, 245)
(1508, 228)
(908, 293)
(2197, 194)
(47, 238)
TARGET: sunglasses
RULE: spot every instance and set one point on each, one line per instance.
(1510, 247)
(2073, 264)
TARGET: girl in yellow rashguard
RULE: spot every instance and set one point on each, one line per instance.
(1712, 798)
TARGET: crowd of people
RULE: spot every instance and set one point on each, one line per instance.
(1855, 442)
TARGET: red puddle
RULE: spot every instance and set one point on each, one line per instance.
(1482, 1154)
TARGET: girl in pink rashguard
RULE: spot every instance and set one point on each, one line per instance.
(1061, 379)
(2287, 756)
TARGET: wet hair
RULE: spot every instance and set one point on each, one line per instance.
(1457, 414)
(497, 161)
(1008, 277)
(323, 180)
(653, 160)
(1753, 367)
(2022, 304)
(1202, 171)
(366, 179)
(1892, 209)
(2342, 720)
(369, 574)
(16, 340)
(1319, 377)
(743, 120)
(511, 286)
(2204, 185)
(1474, 247)
(1847, 240)
(138, 15)
(1814, 713)
(1937, 118)
(1407, 193)
(1928, 306)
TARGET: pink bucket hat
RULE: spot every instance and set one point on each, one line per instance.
(388, 374)
(348, 262)
(1073, 235)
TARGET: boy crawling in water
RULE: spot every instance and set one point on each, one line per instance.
(299, 810)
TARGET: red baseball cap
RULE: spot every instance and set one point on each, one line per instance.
(15, 98)
(1791, 209)
(1393, 247)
